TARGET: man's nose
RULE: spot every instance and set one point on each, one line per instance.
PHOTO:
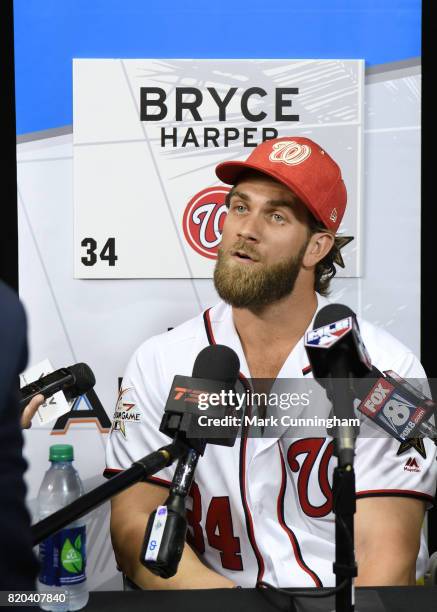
(250, 228)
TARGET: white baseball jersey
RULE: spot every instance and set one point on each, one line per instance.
(262, 510)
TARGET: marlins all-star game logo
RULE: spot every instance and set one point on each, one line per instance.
(124, 413)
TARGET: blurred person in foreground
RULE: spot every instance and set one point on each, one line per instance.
(18, 565)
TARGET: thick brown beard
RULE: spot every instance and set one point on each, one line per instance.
(256, 286)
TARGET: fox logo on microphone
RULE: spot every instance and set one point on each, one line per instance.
(390, 410)
(373, 403)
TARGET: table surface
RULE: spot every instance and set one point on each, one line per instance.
(393, 599)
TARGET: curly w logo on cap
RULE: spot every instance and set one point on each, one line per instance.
(304, 167)
(289, 152)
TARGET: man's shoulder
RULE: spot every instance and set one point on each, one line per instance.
(178, 343)
(387, 352)
(378, 335)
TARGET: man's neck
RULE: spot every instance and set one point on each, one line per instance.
(282, 322)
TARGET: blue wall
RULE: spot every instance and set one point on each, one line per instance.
(49, 33)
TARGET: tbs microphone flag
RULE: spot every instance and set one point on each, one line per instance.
(215, 372)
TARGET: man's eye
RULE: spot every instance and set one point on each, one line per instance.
(239, 208)
(278, 218)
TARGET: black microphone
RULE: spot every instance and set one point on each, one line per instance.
(216, 368)
(73, 381)
(338, 356)
(396, 406)
(215, 372)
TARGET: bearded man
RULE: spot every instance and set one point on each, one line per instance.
(262, 510)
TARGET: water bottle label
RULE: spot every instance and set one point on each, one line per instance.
(63, 557)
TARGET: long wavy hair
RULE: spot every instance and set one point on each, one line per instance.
(325, 270)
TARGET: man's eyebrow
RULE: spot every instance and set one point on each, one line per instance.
(290, 204)
(287, 203)
(243, 196)
(239, 194)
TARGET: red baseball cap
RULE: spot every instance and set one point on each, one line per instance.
(302, 166)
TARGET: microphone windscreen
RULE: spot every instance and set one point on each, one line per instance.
(363, 384)
(217, 362)
(84, 378)
(331, 313)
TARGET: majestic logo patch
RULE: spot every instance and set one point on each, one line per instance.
(289, 152)
(124, 413)
(412, 465)
(203, 220)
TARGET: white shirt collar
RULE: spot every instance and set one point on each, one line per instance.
(225, 333)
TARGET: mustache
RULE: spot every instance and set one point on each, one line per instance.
(241, 246)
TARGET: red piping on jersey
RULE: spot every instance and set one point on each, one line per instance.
(290, 533)
(249, 521)
(247, 514)
(159, 481)
(208, 327)
(397, 492)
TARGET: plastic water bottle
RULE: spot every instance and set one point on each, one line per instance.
(62, 556)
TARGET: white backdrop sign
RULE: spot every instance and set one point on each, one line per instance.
(148, 134)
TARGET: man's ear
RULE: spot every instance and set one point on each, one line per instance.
(318, 247)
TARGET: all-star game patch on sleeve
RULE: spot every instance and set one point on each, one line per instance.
(137, 416)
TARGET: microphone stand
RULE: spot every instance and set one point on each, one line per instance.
(141, 469)
(162, 548)
(344, 503)
(344, 508)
